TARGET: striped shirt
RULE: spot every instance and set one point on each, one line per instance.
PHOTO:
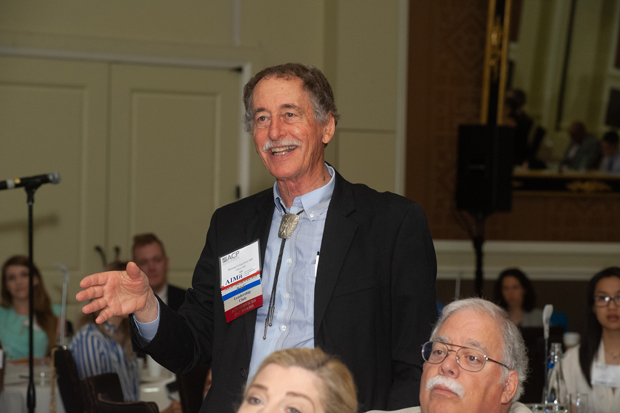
(95, 353)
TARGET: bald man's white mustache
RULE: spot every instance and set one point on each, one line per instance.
(451, 384)
(280, 143)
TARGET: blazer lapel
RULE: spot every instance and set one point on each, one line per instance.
(257, 227)
(337, 236)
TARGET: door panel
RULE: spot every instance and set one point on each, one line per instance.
(173, 156)
(53, 117)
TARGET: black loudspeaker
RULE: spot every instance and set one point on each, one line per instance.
(484, 175)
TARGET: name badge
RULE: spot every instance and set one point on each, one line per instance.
(605, 375)
(241, 286)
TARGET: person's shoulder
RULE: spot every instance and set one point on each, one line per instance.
(519, 408)
(369, 196)
(175, 289)
(57, 309)
(407, 410)
(246, 203)
(90, 332)
(591, 141)
(4, 311)
(572, 353)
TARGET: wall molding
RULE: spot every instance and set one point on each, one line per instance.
(531, 247)
(500, 255)
(145, 53)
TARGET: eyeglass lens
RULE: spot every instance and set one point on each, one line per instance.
(603, 301)
(468, 358)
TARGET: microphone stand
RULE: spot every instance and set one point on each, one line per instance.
(31, 398)
(63, 313)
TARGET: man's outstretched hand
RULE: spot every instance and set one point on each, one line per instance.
(119, 293)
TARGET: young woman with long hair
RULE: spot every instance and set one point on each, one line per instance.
(514, 292)
(585, 366)
(15, 310)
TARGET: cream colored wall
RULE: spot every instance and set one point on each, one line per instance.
(355, 43)
(359, 45)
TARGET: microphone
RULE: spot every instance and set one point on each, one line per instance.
(51, 178)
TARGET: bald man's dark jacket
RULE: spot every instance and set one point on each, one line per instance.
(374, 298)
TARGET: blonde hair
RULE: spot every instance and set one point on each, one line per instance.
(338, 392)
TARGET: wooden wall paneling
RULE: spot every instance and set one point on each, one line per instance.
(446, 54)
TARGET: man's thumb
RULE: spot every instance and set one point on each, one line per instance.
(133, 271)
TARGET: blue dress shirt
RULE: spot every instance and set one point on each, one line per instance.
(293, 318)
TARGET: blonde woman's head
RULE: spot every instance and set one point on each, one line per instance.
(307, 380)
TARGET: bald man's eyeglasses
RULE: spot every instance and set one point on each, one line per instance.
(468, 358)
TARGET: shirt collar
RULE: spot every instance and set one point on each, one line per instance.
(313, 203)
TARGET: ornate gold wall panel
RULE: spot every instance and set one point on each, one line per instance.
(446, 55)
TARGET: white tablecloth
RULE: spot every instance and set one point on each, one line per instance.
(13, 398)
(14, 395)
(153, 389)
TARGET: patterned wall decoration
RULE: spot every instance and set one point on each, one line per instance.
(446, 55)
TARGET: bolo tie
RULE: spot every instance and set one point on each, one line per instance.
(287, 226)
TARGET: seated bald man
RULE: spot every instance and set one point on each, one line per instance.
(475, 362)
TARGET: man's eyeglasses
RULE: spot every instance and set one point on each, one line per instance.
(602, 301)
(468, 358)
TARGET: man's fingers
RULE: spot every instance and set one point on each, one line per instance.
(104, 315)
(94, 279)
(94, 305)
(90, 293)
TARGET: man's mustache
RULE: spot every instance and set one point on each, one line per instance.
(279, 143)
(451, 384)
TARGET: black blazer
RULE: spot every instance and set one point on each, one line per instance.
(374, 298)
(176, 296)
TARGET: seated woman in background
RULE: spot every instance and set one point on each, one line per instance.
(14, 311)
(301, 380)
(585, 365)
(514, 292)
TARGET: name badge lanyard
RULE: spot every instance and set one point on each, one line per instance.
(287, 226)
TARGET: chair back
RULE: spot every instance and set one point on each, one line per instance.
(108, 385)
(191, 387)
(107, 406)
(68, 381)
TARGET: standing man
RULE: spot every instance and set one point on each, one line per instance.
(149, 253)
(355, 275)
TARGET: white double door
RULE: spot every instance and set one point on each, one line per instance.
(138, 148)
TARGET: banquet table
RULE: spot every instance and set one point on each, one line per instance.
(13, 397)
(153, 388)
(14, 394)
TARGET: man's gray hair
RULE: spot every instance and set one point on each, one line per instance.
(314, 83)
(514, 354)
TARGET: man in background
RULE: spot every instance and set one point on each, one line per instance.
(583, 152)
(611, 156)
(149, 253)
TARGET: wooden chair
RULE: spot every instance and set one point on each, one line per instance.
(191, 387)
(106, 406)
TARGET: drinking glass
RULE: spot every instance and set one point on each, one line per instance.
(581, 403)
